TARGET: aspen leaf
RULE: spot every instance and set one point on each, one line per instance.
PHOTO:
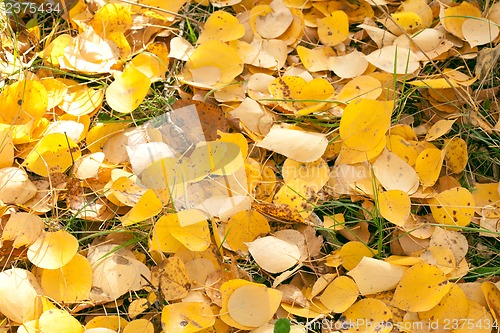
(15, 186)
(372, 314)
(80, 99)
(340, 294)
(149, 205)
(23, 102)
(428, 166)
(314, 175)
(287, 88)
(492, 296)
(455, 154)
(53, 249)
(253, 305)
(55, 320)
(421, 288)
(394, 206)
(450, 239)
(373, 276)
(54, 153)
(272, 20)
(441, 257)
(283, 256)
(453, 17)
(487, 200)
(69, 284)
(56, 90)
(244, 227)
(479, 31)
(317, 59)
(127, 91)
(172, 278)
(101, 132)
(404, 21)
(139, 325)
(221, 26)
(440, 128)
(453, 306)
(109, 322)
(394, 59)
(72, 129)
(333, 29)
(111, 18)
(295, 143)
(18, 289)
(454, 207)
(150, 65)
(22, 228)
(353, 252)
(476, 316)
(364, 123)
(314, 96)
(349, 66)
(313, 311)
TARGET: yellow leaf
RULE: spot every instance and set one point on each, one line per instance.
(394, 59)
(421, 288)
(284, 255)
(492, 295)
(101, 132)
(56, 320)
(149, 205)
(80, 99)
(244, 227)
(172, 278)
(452, 307)
(15, 186)
(333, 29)
(111, 322)
(353, 252)
(53, 250)
(314, 96)
(315, 60)
(441, 257)
(150, 65)
(56, 90)
(287, 89)
(110, 18)
(314, 175)
(22, 228)
(440, 128)
(271, 21)
(455, 154)
(409, 22)
(364, 123)
(139, 325)
(428, 166)
(370, 315)
(487, 199)
(221, 26)
(454, 207)
(340, 294)
(248, 304)
(478, 320)
(395, 206)
(187, 317)
(128, 91)
(455, 16)
(23, 102)
(234, 138)
(69, 284)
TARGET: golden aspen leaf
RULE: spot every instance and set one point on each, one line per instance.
(253, 305)
(55, 49)
(454, 17)
(314, 96)
(406, 21)
(15, 186)
(373, 276)
(421, 8)
(455, 154)
(492, 296)
(440, 83)
(244, 227)
(314, 175)
(111, 18)
(271, 21)
(161, 10)
(440, 128)
(221, 26)
(295, 143)
(394, 206)
(80, 99)
(114, 323)
(172, 278)
(69, 284)
(139, 326)
(451, 239)
(453, 207)
(150, 65)
(321, 283)
(452, 307)
(353, 156)
(234, 138)
(149, 205)
(441, 257)
(56, 320)
(428, 166)
(138, 306)
(333, 29)
(53, 250)
(283, 256)
(487, 199)
(22, 228)
(314, 310)
(6, 148)
(128, 91)
(56, 90)
(293, 196)
(212, 64)
(479, 31)
(353, 252)
(23, 102)
(189, 227)
(315, 60)
(340, 294)
(127, 191)
(478, 320)
(187, 317)
(394, 59)
(370, 315)
(421, 288)
(287, 89)
(101, 132)
(402, 148)
(364, 123)
(18, 289)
